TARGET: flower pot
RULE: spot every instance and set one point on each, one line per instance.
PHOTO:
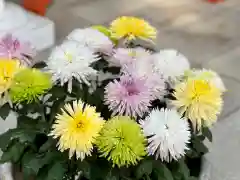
(214, 1)
(36, 6)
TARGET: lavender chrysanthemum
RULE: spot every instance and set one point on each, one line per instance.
(129, 96)
(12, 48)
(144, 68)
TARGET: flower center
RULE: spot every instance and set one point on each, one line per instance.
(69, 57)
(80, 125)
(132, 53)
(132, 89)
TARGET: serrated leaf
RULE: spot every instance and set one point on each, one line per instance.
(144, 168)
(207, 133)
(163, 173)
(13, 152)
(32, 162)
(23, 136)
(4, 111)
(28, 123)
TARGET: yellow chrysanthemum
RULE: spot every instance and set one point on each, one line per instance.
(8, 68)
(77, 127)
(131, 28)
(198, 100)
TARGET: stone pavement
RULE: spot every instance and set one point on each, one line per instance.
(207, 34)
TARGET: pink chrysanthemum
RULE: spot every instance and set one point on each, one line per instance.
(128, 96)
(144, 68)
(124, 56)
(12, 48)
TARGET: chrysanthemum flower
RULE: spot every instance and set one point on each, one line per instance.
(170, 63)
(12, 48)
(132, 28)
(168, 134)
(144, 68)
(8, 68)
(71, 60)
(207, 75)
(29, 84)
(122, 141)
(123, 57)
(129, 96)
(198, 100)
(93, 39)
(77, 127)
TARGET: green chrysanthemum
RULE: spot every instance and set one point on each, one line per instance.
(29, 84)
(122, 141)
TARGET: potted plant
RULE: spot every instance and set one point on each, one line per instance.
(37, 6)
(102, 109)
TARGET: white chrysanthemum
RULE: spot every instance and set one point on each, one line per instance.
(71, 60)
(92, 39)
(208, 75)
(168, 134)
(170, 63)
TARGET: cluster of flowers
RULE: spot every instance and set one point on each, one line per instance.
(135, 130)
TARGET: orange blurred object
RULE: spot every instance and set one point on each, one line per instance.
(37, 6)
(215, 1)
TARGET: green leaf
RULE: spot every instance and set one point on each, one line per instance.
(199, 146)
(163, 173)
(85, 167)
(102, 29)
(192, 178)
(56, 108)
(23, 135)
(4, 111)
(5, 140)
(112, 175)
(57, 92)
(46, 146)
(27, 123)
(183, 168)
(144, 168)
(207, 133)
(32, 162)
(57, 171)
(13, 152)
(105, 31)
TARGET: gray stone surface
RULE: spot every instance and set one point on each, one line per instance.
(228, 63)
(231, 97)
(223, 159)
